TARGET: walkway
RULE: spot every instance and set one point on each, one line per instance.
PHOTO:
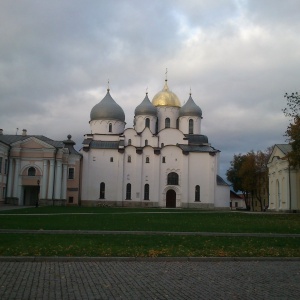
(153, 279)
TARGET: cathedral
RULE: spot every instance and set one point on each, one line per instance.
(163, 161)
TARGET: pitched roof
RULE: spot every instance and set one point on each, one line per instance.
(221, 181)
(285, 148)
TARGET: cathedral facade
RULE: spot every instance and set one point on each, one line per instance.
(163, 161)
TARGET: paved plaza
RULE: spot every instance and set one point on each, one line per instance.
(150, 279)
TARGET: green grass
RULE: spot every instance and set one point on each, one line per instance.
(56, 218)
(83, 218)
(146, 246)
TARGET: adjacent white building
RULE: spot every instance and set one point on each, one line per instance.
(163, 161)
(284, 181)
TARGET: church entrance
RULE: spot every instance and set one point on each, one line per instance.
(171, 199)
(31, 194)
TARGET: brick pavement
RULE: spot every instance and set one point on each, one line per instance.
(153, 279)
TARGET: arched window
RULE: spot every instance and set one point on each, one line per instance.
(146, 142)
(147, 122)
(197, 193)
(129, 141)
(147, 160)
(191, 126)
(129, 158)
(102, 190)
(146, 191)
(173, 178)
(128, 191)
(110, 127)
(31, 171)
(167, 123)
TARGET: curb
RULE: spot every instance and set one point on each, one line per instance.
(140, 259)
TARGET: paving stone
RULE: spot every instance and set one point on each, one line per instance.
(150, 280)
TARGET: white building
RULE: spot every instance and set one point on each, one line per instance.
(163, 161)
(284, 181)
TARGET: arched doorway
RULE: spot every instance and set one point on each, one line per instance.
(171, 199)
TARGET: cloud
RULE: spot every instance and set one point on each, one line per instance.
(238, 58)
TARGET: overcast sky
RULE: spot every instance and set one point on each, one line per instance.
(238, 57)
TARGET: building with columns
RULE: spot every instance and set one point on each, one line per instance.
(163, 161)
(284, 181)
(35, 169)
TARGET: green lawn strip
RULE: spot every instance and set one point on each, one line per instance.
(186, 221)
(146, 246)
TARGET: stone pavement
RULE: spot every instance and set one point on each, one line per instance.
(149, 279)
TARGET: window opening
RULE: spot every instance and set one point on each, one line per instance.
(172, 178)
(128, 191)
(167, 123)
(146, 192)
(102, 190)
(31, 171)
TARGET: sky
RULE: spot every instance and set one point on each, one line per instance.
(237, 57)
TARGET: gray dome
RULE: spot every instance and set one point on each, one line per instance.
(145, 108)
(190, 108)
(107, 109)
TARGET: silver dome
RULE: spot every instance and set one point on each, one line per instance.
(190, 108)
(107, 109)
(145, 108)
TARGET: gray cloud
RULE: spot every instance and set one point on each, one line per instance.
(239, 58)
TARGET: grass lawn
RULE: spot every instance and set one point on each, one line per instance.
(83, 218)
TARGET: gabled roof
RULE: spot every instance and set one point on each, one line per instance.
(285, 148)
(11, 139)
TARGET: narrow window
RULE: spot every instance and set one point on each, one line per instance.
(147, 160)
(129, 159)
(128, 191)
(0, 165)
(163, 159)
(162, 145)
(177, 124)
(71, 173)
(191, 126)
(146, 192)
(129, 141)
(31, 171)
(167, 123)
(111, 159)
(146, 142)
(3, 193)
(71, 199)
(102, 190)
(197, 193)
(147, 122)
(110, 127)
(172, 178)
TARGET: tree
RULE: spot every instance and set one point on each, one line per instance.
(234, 176)
(249, 174)
(293, 130)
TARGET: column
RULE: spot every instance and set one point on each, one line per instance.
(58, 174)
(44, 180)
(10, 178)
(51, 179)
(64, 182)
(16, 178)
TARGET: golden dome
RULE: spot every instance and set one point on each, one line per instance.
(166, 98)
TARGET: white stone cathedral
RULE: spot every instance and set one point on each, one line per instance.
(163, 161)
